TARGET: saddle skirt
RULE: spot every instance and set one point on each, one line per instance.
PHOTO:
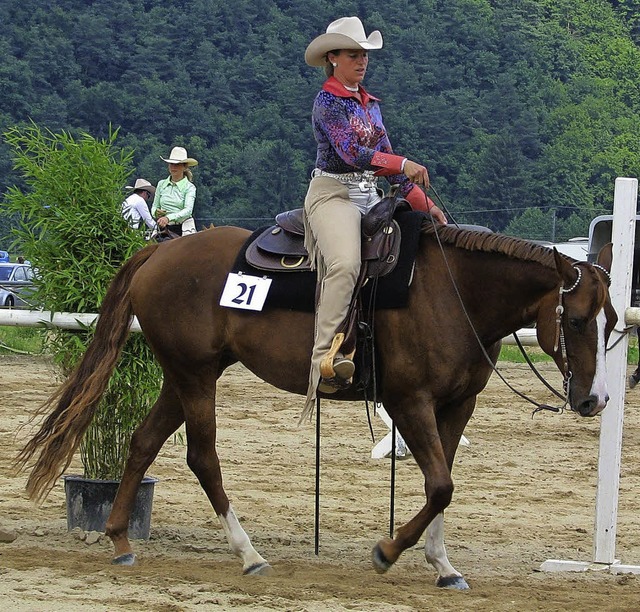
(280, 248)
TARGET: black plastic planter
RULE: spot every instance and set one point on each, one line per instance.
(89, 503)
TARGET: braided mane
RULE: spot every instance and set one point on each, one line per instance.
(488, 242)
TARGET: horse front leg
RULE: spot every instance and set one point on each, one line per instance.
(203, 460)
(163, 419)
(435, 553)
(452, 421)
(240, 544)
(420, 431)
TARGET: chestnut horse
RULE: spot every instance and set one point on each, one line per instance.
(469, 290)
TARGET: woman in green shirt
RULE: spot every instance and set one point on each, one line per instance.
(175, 195)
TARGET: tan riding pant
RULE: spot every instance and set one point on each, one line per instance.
(332, 238)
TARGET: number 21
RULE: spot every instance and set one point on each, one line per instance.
(243, 289)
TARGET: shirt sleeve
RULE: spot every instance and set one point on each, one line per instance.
(156, 200)
(145, 215)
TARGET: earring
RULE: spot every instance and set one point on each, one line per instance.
(334, 64)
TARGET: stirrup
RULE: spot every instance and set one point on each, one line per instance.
(345, 364)
(333, 385)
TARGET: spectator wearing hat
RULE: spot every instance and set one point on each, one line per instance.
(353, 150)
(175, 195)
(135, 209)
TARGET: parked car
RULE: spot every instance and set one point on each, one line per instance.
(16, 284)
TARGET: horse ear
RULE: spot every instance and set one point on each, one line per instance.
(565, 269)
(605, 256)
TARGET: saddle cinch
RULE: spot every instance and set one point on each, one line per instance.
(280, 248)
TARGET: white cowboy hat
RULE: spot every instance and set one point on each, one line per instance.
(343, 33)
(142, 185)
(179, 156)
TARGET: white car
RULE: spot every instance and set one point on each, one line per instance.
(16, 282)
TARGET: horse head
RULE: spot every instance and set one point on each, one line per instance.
(574, 323)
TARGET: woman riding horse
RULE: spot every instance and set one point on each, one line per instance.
(353, 150)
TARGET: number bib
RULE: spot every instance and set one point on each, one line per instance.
(245, 292)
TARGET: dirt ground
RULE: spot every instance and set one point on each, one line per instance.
(525, 493)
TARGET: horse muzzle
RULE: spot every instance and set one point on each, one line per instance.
(591, 405)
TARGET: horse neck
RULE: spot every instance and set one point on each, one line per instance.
(500, 294)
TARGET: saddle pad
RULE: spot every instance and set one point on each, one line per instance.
(297, 291)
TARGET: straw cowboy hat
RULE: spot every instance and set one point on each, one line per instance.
(179, 156)
(344, 33)
(142, 185)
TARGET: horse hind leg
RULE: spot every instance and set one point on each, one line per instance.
(163, 419)
(634, 378)
(240, 544)
(203, 461)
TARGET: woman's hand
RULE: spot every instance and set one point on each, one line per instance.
(163, 222)
(416, 173)
(438, 215)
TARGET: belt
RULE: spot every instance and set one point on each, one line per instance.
(365, 178)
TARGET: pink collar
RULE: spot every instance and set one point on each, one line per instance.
(332, 85)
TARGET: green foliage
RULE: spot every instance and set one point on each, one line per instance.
(513, 105)
(26, 340)
(71, 229)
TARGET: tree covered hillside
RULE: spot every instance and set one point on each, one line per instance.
(524, 111)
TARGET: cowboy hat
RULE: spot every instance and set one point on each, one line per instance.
(142, 185)
(179, 156)
(343, 33)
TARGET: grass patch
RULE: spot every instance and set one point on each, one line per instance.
(537, 355)
(24, 340)
(513, 354)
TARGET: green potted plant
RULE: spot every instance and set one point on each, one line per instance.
(71, 230)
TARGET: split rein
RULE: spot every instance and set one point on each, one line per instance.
(559, 343)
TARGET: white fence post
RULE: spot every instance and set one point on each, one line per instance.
(46, 318)
(623, 236)
(612, 418)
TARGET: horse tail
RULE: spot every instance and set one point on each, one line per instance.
(76, 401)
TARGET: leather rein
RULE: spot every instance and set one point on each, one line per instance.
(559, 343)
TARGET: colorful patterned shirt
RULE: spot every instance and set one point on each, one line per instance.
(350, 134)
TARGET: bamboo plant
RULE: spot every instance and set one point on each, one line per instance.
(71, 230)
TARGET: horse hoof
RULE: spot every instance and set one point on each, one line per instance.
(259, 569)
(632, 381)
(126, 559)
(457, 583)
(380, 563)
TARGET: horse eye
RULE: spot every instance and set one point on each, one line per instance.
(576, 324)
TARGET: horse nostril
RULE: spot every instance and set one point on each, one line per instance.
(587, 407)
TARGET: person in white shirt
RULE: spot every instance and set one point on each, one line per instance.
(135, 209)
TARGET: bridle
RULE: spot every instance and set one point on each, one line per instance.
(559, 343)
